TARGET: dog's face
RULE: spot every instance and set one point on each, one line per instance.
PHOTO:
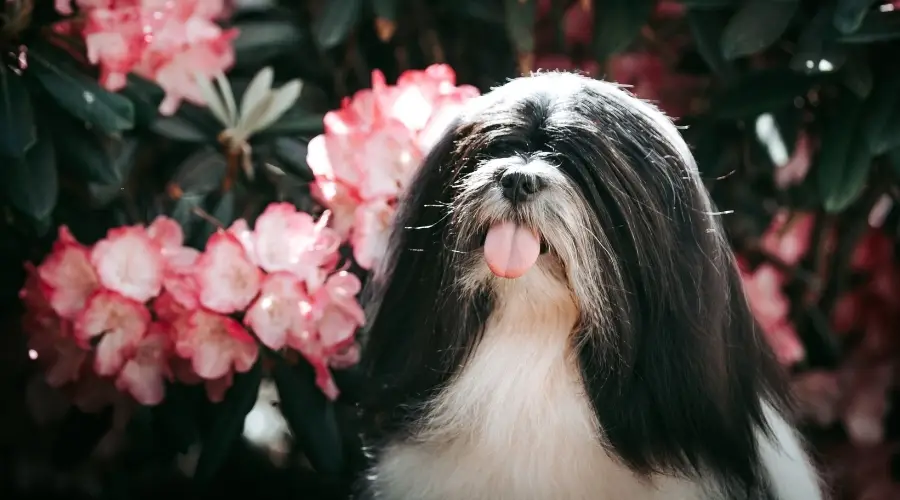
(571, 176)
(564, 176)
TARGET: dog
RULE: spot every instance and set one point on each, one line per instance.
(560, 317)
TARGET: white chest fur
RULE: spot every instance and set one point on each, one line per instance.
(515, 423)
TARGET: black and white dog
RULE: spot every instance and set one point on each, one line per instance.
(560, 318)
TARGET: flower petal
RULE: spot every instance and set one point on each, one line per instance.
(118, 322)
(166, 233)
(144, 375)
(216, 345)
(130, 263)
(280, 307)
(67, 277)
(227, 279)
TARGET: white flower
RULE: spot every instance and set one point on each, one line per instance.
(261, 106)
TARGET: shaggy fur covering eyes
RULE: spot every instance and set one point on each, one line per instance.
(625, 364)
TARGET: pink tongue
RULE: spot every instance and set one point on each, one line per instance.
(510, 250)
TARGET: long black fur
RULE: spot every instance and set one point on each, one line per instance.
(678, 385)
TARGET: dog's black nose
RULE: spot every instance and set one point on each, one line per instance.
(520, 186)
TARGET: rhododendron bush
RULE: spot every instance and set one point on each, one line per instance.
(195, 192)
(139, 308)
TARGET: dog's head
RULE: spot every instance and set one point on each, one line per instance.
(577, 180)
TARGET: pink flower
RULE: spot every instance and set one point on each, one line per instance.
(578, 24)
(345, 357)
(336, 316)
(179, 278)
(867, 406)
(67, 276)
(288, 240)
(281, 308)
(227, 279)
(49, 335)
(373, 146)
(788, 237)
(215, 389)
(370, 238)
(166, 233)
(794, 171)
(240, 230)
(336, 311)
(818, 394)
(652, 79)
(165, 41)
(215, 344)
(119, 323)
(130, 263)
(771, 308)
(143, 376)
(178, 261)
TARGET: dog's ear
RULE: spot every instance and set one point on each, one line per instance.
(677, 376)
(417, 323)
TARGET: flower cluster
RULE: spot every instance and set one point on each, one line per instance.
(866, 318)
(166, 41)
(138, 308)
(372, 146)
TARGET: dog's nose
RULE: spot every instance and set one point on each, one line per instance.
(520, 186)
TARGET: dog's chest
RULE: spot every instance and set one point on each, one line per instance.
(516, 425)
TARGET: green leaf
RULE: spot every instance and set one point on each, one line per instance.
(385, 9)
(78, 93)
(617, 23)
(183, 213)
(32, 182)
(881, 28)
(17, 129)
(707, 27)
(179, 129)
(202, 172)
(292, 154)
(95, 157)
(844, 160)
(221, 206)
(893, 158)
(174, 419)
(191, 123)
(228, 423)
(757, 25)
(146, 97)
(888, 137)
(261, 41)
(849, 14)
(489, 12)
(818, 43)
(336, 20)
(310, 415)
(761, 92)
(520, 17)
(857, 76)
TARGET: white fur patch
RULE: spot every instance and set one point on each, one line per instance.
(515, 423)
(788, 468)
